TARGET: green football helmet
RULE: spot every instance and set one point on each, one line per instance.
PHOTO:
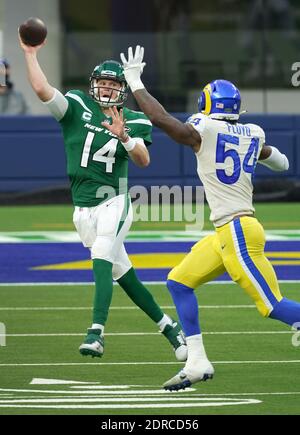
(109, 70)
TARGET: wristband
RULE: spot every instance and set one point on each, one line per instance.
(137, 86)
(129, 144)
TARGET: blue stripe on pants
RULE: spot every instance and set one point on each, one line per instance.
(250, 264)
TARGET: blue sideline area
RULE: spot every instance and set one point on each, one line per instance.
(32, 153)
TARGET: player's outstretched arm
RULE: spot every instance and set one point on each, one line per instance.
(182, 133)
(273, 159)
(36, 76)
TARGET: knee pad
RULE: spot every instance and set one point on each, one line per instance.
(172, 275)
(102, 249)
(120, 269)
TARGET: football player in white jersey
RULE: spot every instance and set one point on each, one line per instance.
(226, 153)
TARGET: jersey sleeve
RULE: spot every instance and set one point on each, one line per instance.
(198, 121)
(139, 126)
(73, 97)
(262, 139)
(262, 136)
(257, 131)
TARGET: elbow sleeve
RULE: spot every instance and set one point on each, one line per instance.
(58, 105)
(276, 161)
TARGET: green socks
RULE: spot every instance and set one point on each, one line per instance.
(130, 284)
(140, 295)
(104, 287)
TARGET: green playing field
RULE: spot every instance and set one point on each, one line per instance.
(55, 218)
(257, 367)
(256, 360)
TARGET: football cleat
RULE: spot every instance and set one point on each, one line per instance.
(93, 344)
(185, 378)
(176, 337)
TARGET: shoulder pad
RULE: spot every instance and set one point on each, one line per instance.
(256, 128)
(196, 118)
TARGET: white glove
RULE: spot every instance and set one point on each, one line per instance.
(133, 68)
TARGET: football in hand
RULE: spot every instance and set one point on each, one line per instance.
(33, 32)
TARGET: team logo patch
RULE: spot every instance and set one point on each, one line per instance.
(108, 73)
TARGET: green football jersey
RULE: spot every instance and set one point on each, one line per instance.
(97, 162)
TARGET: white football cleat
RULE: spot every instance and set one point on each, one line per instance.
(185, 378)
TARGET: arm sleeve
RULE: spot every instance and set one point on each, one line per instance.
(276, 161)
(58, 105)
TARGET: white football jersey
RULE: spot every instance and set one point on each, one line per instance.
(226, 163)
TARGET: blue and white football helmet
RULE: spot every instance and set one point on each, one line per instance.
(220, 99)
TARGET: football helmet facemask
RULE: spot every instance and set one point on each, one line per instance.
(109, 70)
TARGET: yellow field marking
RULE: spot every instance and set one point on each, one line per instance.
(285, 262)
(290, 254)
(283, 254)
(140, 261)
(165, 261)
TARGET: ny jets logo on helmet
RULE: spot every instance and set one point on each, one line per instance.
(107, 94)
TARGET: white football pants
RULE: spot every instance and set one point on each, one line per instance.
(103, 229)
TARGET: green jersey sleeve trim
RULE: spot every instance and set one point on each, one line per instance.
(73, 99)
(140, 121)
(138, 125)
(79, 100)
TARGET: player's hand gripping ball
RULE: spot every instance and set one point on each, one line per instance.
(33, 32)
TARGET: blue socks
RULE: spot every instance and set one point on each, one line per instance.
(187, 307)
(286, 311)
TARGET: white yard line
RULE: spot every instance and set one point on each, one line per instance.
(284, 393)
(169, 307)
(133, 236)
(84, 394)
(119, 334)
(145, 363)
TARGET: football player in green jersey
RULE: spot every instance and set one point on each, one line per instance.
(97, 164)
